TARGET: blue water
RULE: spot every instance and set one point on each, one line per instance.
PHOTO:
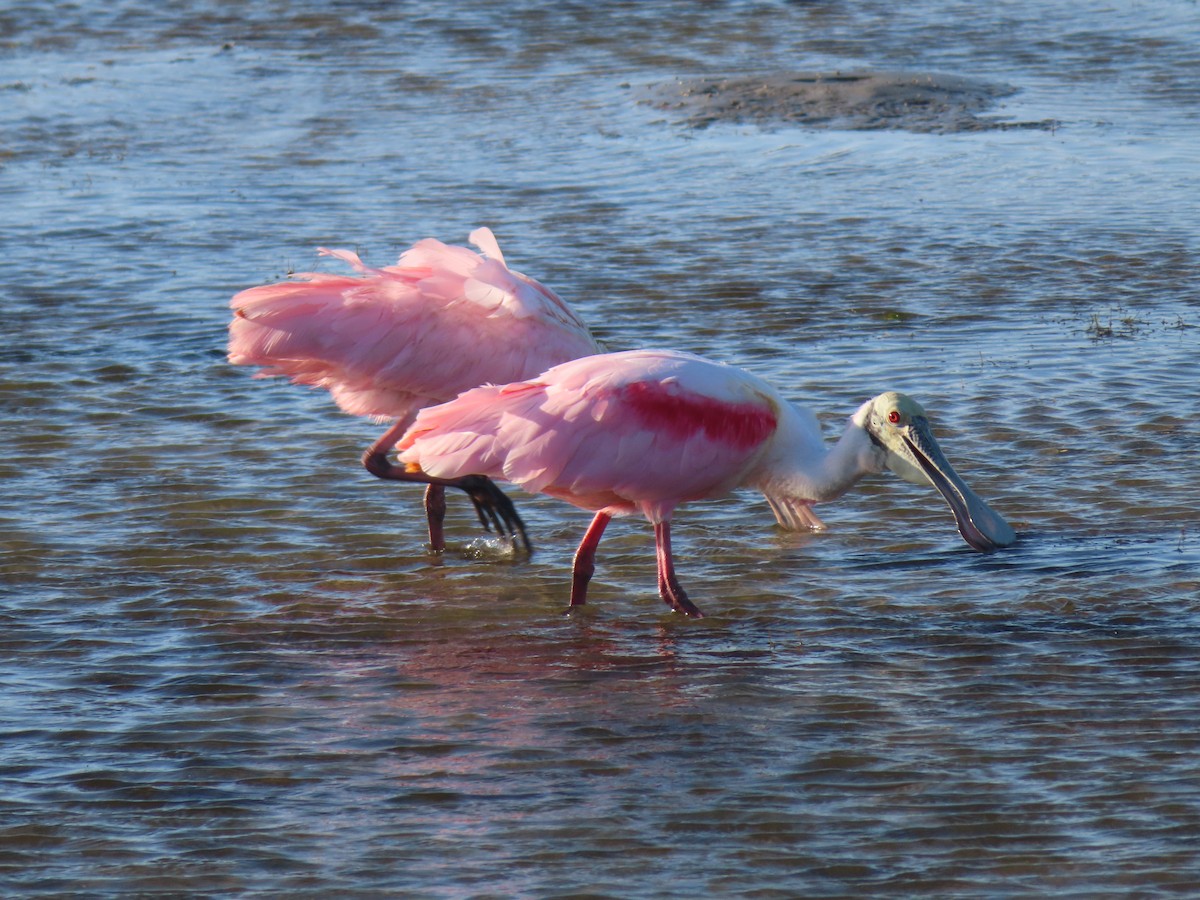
(234, 669)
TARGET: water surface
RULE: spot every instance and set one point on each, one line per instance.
(234, 668)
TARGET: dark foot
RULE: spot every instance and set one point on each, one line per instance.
(494, 508)
(673, 595)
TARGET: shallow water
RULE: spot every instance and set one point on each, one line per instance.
(233, 667)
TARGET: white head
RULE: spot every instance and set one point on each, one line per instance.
(898, 426)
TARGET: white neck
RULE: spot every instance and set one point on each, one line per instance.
(803, 469)
(852, 457)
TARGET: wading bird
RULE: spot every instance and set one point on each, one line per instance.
(646, 430)
(388, 342)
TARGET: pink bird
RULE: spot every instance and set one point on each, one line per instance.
(388, 342)
(646, 430)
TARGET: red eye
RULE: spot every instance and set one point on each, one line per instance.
(894, 416)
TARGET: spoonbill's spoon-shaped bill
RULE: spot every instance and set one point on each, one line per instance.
(900, 426)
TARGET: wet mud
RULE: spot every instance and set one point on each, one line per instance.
(861, 101)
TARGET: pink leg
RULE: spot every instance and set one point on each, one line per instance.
(585, 559)
(668, 584)
(435, 494)
(389, 438)
(435, 512)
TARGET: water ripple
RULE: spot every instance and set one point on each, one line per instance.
(233, 666)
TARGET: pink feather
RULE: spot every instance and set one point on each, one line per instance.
(621, 433)
(388, 341)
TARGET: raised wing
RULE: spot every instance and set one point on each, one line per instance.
(391, 340)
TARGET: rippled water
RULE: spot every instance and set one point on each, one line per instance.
(231, 665)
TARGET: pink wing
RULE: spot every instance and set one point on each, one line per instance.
(389, 341)
(622, 432)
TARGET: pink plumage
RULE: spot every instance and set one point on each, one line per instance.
(621, 433)
(389, 341)
(646, 430)
(392, 340)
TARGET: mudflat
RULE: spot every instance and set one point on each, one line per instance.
(910, 101)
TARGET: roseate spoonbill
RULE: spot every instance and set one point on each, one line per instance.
(389, 341)
(646, 430)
